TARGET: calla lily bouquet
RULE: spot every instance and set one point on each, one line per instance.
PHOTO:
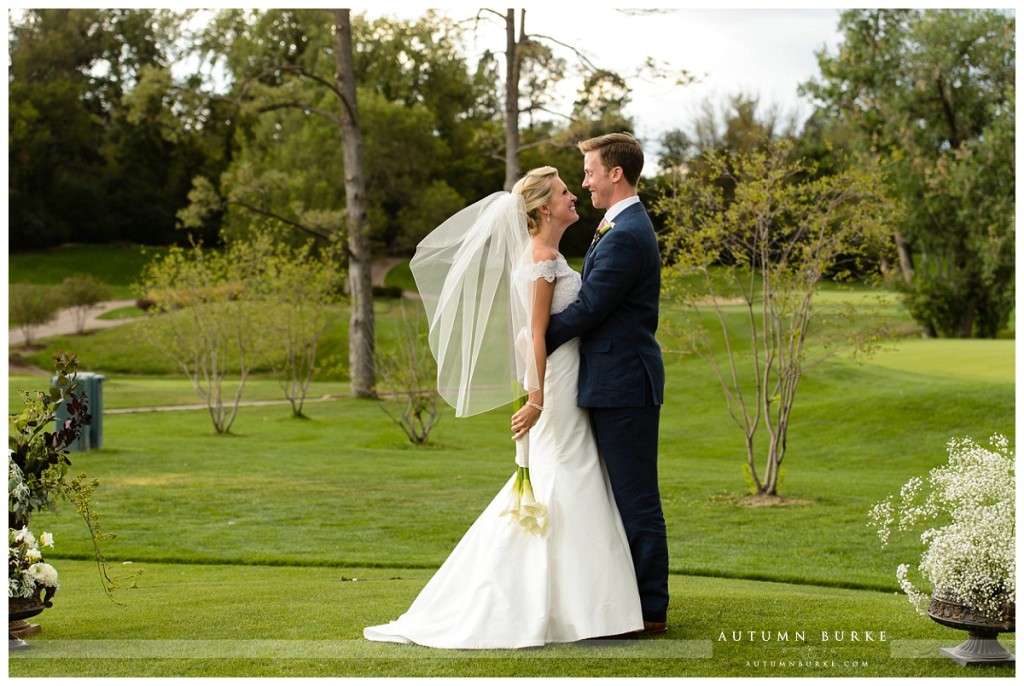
(523, 507)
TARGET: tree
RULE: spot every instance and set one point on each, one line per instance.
(301, 288)
(55, 127)
(219, 314)
(85, 166)
(420, 65)
(765, 246)
(360, 337)
(280, 59)
(532, 68)
(31, 305)
(81, 293)
(926, 92)
(740, 125)
(207, 317)
(408, 376)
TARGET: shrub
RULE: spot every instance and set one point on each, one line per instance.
(81, 293)
(30, 305)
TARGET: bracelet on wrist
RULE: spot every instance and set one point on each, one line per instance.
(535, 406)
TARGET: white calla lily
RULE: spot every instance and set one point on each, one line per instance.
(523, 507)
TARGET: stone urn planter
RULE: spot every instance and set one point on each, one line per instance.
(981, 647)
(20, 609)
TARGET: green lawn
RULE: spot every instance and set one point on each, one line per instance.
(263, 526)
(119, 266)
(261, 621)
(250, 544)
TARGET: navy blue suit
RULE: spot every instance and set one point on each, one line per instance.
(622, 384)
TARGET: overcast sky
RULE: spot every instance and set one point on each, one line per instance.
(762, 52)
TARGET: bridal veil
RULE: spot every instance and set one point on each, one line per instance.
(479, 324)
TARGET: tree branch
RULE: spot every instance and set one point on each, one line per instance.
(300, 71)
(583, 58)
(285, 220)
(305, 108)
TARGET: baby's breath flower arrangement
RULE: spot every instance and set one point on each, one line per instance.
(968, 508)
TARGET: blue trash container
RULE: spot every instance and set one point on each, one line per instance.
(91, 437)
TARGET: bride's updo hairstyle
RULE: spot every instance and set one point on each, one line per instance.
(535, 187)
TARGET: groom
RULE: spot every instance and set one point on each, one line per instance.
(622, 377)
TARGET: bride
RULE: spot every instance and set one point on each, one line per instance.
(526, 573)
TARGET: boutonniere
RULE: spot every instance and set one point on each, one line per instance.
(602, 230)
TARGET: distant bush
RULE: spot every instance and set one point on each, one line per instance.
(81, 293)
(30, 305)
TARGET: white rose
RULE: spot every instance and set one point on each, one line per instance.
(44, 574)
(26, 537)
(46, 539)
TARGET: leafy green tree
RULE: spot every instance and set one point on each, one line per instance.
(82, 167)
(207, 317)
(81, 293)
(759, 253)
(930, 93)
(290, 66)
(55, 127)
(421, 63)
(31, 305)
(219, 314)
(299, 288)
(738, 126)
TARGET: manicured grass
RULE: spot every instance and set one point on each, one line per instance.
(348, 479)
(119, 266)
(249, 538)
(123, 313)
(124, 350)
(123, 392)
(977, 360)
(229, 621)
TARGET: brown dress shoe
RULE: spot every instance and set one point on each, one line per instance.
(654, 628)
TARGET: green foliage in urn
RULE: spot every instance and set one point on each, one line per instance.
(38, 451)
(37, 472)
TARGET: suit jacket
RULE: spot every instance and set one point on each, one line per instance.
(616, 317)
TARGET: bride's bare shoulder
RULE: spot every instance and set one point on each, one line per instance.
(543, 253)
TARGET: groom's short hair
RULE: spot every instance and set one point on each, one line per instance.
(618, 150)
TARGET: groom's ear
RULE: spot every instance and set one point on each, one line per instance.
(615, 174)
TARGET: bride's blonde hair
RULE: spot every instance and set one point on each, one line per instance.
(535, 187)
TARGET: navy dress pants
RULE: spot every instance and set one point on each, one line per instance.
(627, 438)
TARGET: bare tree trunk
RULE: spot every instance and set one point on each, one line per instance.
(906, 258)
(361, 334)
(512, 61)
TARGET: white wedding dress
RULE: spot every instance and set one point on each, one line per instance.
(503, 587)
